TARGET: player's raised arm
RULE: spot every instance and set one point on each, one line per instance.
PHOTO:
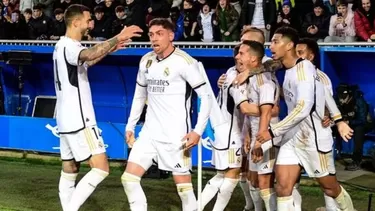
(139, 99)
(193, 76)
(305, 98)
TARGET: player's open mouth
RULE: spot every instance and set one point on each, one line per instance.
(155, 46)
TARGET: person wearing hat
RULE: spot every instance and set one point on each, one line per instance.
(316, 23)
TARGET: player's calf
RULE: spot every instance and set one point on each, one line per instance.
(255, 191)
(131, 181)
(185, 191)
(230, 182)
(67, 182)
(333, 189)
(211, 188)
(244, 184)
(267, 192)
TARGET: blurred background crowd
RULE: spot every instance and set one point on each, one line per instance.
(195, 20)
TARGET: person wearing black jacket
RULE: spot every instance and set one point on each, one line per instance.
(316, 23)
(17, 27)
(354, 111)
(59, 27)
(250, 15)
(40, 26)
(102, 25)
(120, 22)
(136, 16)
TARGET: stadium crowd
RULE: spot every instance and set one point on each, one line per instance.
(195, 20)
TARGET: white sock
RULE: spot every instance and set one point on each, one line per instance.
(344, 201)
(285, 203)
(331, 204)
(297, 198)
(257, 200)
(225, 193)
(246, 192)
(269, 198)
(66, 188)
(211, 188)
(186, 193)
(86, 187)
(134, 192)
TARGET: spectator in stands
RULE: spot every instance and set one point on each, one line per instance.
(260, 14)
(316, 23)
(341, 26)
(47, 7)
(287, 17)
(157, 9)
(236, 5)
(17, 27)
(109, 7)
(58, 27)
(227, 20)
(120, 22)
(190, 22)
(6, 10)
(3, 26)
(40, 26)
(136, 16)
(354, 111)
(364, 19)
(102, 25)
(26, 4)
(205, 22)
(64, 4)
(27, 14)
(177, 19)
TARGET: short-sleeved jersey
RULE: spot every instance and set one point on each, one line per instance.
(262, 89)
(302, 88)
(169, 84)
(74, 103)
(230, 111)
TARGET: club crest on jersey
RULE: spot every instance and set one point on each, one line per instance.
(149, 62)
(166, 72)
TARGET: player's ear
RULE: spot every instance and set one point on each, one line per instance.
(311, 57)
(290, 46)
(171, 36)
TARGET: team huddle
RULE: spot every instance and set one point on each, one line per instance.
(262, 153)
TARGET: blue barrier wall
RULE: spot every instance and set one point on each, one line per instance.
(113, 82)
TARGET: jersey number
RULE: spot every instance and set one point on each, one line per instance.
(58, 83)
(96, 134)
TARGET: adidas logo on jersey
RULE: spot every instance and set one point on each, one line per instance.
(265, 167)
(177, 166)
(316, 172)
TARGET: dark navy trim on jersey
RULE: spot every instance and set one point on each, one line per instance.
(141, 84)
(196, 87)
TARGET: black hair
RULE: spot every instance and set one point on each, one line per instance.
(73, 11)
(289, 33)
(256, 47)
(163, 22)
(313, 46)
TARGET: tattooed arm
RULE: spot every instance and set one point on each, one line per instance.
(93, 62)
(94, 54)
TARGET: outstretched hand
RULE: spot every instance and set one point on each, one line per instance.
(129, 32)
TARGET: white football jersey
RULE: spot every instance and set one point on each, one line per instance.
(262, 89)
(230, 112)
(74, 104)
(303, 93)
(169, 84)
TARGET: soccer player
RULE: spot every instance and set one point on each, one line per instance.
(267, 179)
(263, 92)
(80, 139)
(166, 77)
(227, 161)
(309, 144)
(309, 49)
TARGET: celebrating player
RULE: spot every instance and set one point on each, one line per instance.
(166, 76)
(309, 144)
(309, 49)
(80, 139)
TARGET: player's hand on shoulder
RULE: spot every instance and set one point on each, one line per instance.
(130, 139)
(221, 80)
(191, 139)
(345, 131)
(241, 78)
(129, 32)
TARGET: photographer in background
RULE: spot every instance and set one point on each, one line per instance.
(354, 111)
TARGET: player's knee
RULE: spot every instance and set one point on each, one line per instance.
(332, 190)
(129, 180)
(70, 167)
(233, 173)
(284, 189)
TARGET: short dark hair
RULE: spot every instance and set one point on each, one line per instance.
(28, 11)
(256, 47)
(313, 46)
(236, 49)
(58, 11)
(342, 3)
(120, 8)
(73, 11)
(163, 22)
(254, 30)
(289, 33)
(99, 9)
